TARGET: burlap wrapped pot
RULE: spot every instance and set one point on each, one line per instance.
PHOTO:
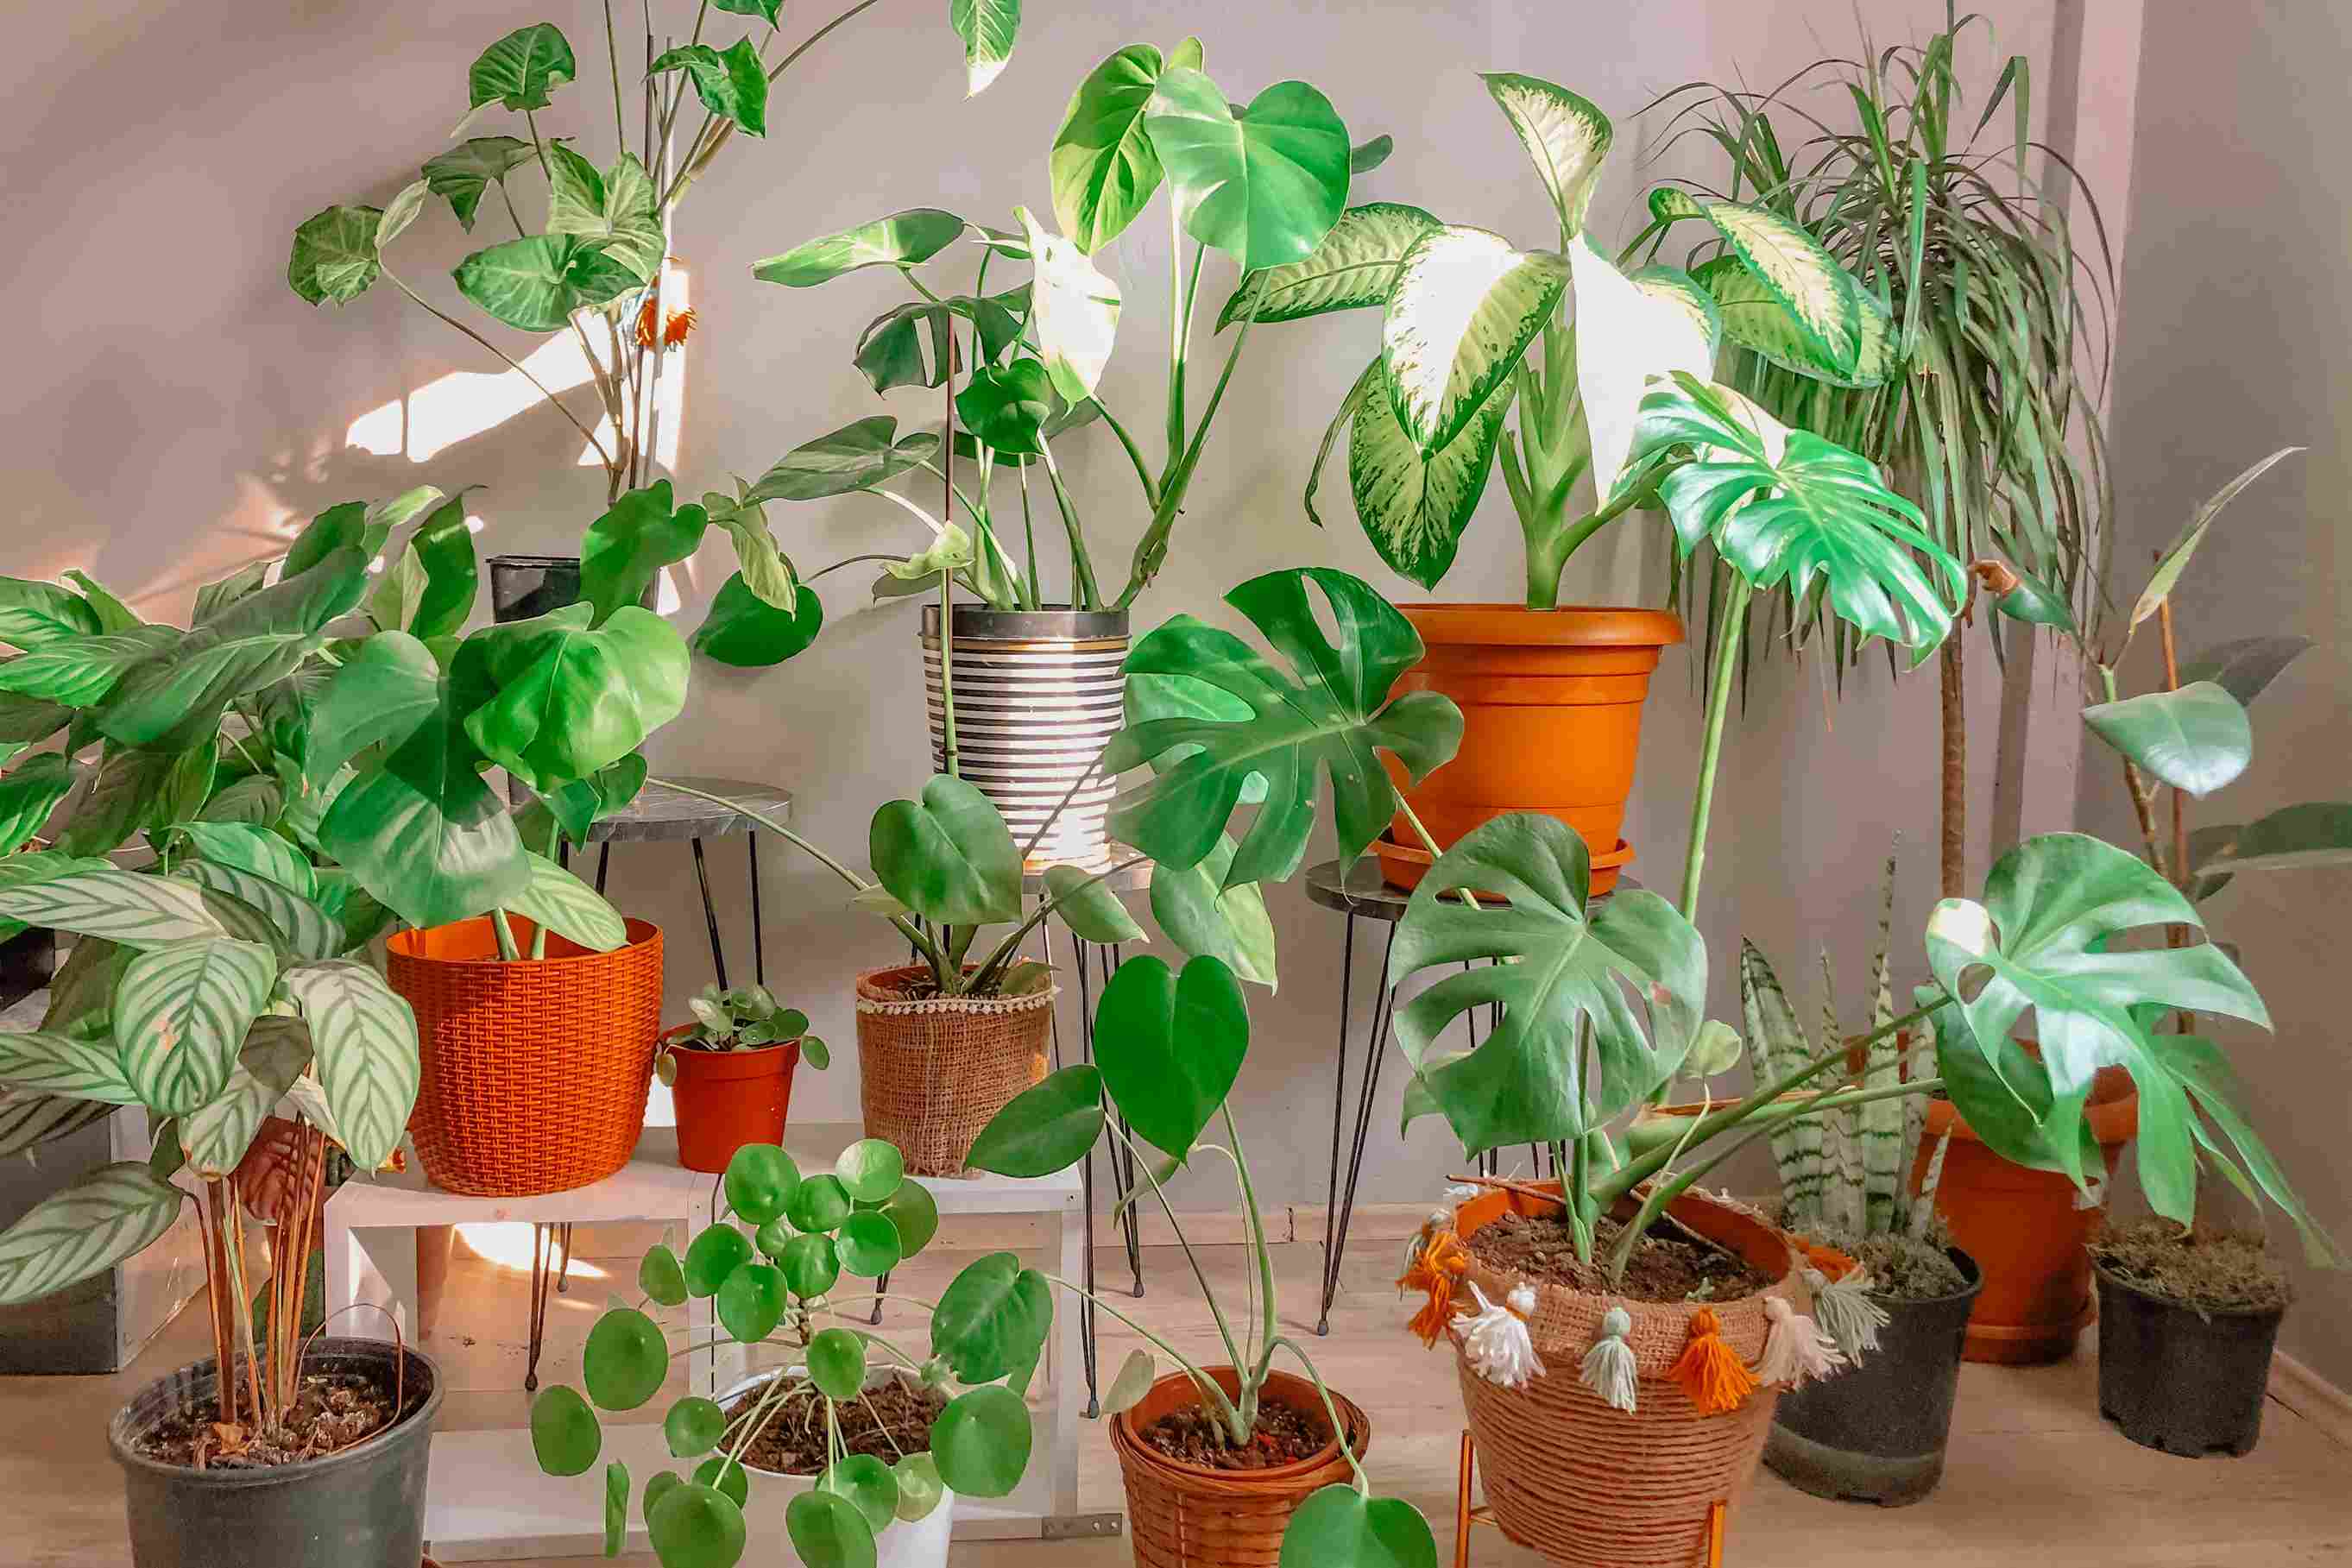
(1587, 1484)
(933, 1071)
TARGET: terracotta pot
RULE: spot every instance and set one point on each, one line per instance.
(535, 1072)
(1591, 1486)
(1186, 1516)
(933, 1073)
(2024, 1229)
(1551, 705)
(725, 1099)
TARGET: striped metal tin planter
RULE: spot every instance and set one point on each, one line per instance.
(1037, 696)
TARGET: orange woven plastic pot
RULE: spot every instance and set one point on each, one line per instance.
(2024, 1230)
(535, 1070)
(1185, 1516)
(1591, 1486)
(725, 1099)
(1551, 709)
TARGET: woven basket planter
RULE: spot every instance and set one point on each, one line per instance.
(536, 1070)
(1183, 1516)
(1587, 1484)
(932, 1072)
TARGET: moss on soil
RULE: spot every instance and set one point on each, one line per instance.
(2209, 1270)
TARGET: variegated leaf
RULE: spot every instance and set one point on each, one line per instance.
(28, 1120)
(251, 848)
(1415, 508)
(180, 1014)
(365, 1038)
(1625, 334)
(1464, 307)
(1354, 266)
(1825, 302)
(1567, 137)
(1075, 309)
(94, 1224)
(1798, 1147)
(216, 1135)
(569, 907)
(1754, 318)
(48, 1063)
(1671, 285)
(129, 907)
(297, 926)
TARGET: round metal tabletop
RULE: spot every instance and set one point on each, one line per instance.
(1363, 891)
(663, 815)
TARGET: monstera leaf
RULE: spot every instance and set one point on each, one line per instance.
(1567, 137)
(1075, 309)
(1264, 183)
(1466, 305)
(2046, 940)
(567, 699)
(1785, 506)
(1103, 164)
(462, 175)
(1335, 718)
(855, 457)
(1555, 968)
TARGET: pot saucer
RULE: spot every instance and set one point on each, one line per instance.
(1404, 865)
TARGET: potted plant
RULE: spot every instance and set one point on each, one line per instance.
(730, 1071)
(852, 1452)
(222, 981)
(1036, 674)
(1551, 694)
(599, 268)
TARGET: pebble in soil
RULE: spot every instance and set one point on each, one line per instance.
(332, 1410)
(888, 1422)
(1283, 1435)
(1664, 1266)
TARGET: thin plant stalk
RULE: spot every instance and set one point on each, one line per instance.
(1718, 706)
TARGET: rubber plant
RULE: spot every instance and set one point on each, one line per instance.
(786, 1285)
(1261, 184)
(598, 264)
(221, 982)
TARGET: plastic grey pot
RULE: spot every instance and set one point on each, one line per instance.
(1876, 1432)
(362, 1508)
(524, 587)
(2179, 1380)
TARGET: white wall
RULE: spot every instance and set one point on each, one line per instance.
(176, 406)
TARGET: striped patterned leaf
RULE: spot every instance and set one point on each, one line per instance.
(215, 1136)
(81, 995)
(308, 1101)
(28, 1120)
(181, 1016)
(297, 927)
(1844, 1207)
(48, 1064)
(79, 671)
(1781, 1045)
(94, 1224)
(1754, 318)
(1354, 266)
(29, 792)
(255, 800)
(1464, 307)
(1823, 301)
(251, 848)
(1887, 1138)
(1566, 136)
(365, 1038)
(136, 910)
(1415, 507)
(569, 907)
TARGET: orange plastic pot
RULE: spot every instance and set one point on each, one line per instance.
(725, 1099)
(1551, 709)
(2024, 1229)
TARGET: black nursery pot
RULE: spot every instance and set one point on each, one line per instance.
(1876, 1432)
(364, 1507)
(2180, 1380)
(525, 587)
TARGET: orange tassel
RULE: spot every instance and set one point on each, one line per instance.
(1710, 1371)
(1437, 1267)
(1832, 1263)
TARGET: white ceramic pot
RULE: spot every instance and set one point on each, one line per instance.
(922, 1545)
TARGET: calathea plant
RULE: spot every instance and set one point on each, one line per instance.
(785, 1285)
(598, 265)
(1261, 184)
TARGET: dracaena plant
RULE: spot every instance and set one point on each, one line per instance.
(786, 1284)
(596, 266)
(1482, 361)
(1261, 185)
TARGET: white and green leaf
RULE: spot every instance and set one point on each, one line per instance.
(215, 1136)
(1075, 307)
(48, 1064)
(1415, 506)
(1823, 298)
(1566, 137)
(105, 1216)
(1626, 333)
(181, 1015)
(1466, 305)
(568, 906)
(129, 907)
(989, 29)
(1356, 266)
(364, 1035)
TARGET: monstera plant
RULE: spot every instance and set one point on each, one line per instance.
(598, 266)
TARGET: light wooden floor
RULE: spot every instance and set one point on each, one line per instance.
(2034, 1474)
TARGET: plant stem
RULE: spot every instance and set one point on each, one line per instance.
(1270, 1326)
(1718, 706)
(1331, 1411)
(556, 402)
(1134, 454)
(1180, 333)
(1084, 594)
(2143, 794)
(1152, 548)
(1224, 1329)
(947, 677)
(1029, 532)
(1211, 1394)
(813, 39)
(1005, 951)
(613, 52)
(530, 119)
(2177, 936)
(509, 953)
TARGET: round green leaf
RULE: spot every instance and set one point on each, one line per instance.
(565, 1436)
(694, 1526)
(818, 1203)
(1339, 1527)
(991, 1320)
(870, 1170)
(836, 1363)
(714, 1255)
(616, 1507)
(981, 1442)
(693, 1426)
(626, 1359)
(751, 1303)
(948, 857)
(725, 1474)
(1264, 186)
(916, 1215)
(920, 1491)
(760, 1179)
(868, 1482)
(659, 1485)
(1043, 1129)
(811, 1264)
(868, 1244)
(661, 1277)
(774, 1236)
(828, 1531)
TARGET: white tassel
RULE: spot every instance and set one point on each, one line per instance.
(1844, 1309)
(1463, 1192)
(1609, 1368)
(1796, 1351)
(1496, 1342)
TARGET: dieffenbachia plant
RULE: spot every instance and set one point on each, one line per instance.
(775, 1266)
(1462, 309)
(1262, 184)
(596, 266)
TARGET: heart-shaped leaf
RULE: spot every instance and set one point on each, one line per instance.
(517, 71)
(1006, 407)
(1046, 1128)
(1355, 266)
(565, 1436)
(981, 1442)
(948, 857)
(1204, 918)
(988, 28)
(902, 240)
(334, 256)
(2196, 739)
(570, 699)
(365, 1037)
(1466, 305)
(537, 282)
(731, 82)
(1103, 165)
(1136, 1375)
(1170, 1046)
(746, 630)
(1566, 137)
(1339, 1527)
(625, 1359)
(991, 1317)
(868, 1483)
(1263, 184)
(461, 175)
